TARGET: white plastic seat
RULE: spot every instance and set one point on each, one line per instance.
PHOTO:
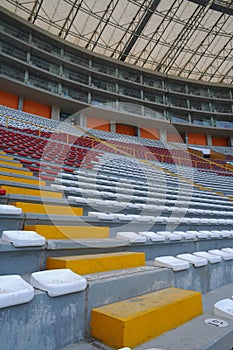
(202, 234)
(223, 254)
(185, 235)
(9, 210)
(58, 282)
(194, 220)
(171, 262)
(230, 232)
(225, 233)
(170, 235)
(197, 261)
(104, 216)
(210, 257)
(23, 238)
(59, 187)
(132, 237)
(161, 219)
(125, 217)
(144, 218)
(14, 291)
(228, 222)
(224, 308)
(173, 220)
(206, 221)
(227, 250)
(154, 237)
(93, 213)
(214, 234)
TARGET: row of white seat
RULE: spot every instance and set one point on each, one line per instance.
(159, 188)
(15, 290)
(209, 180)
(165, 236)
(158, 218)
(197, 259)
(178, 178)
(155, 194)
(118, 205)
(19, 238)
(151, 166)
(205, 178)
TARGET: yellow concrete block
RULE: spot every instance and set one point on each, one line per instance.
(31, 192)
(93, 263)
(16, 171)
(4, 162)
(70, 232)
(23, 180)
(48, 209)
(134, 321)
(5, 156)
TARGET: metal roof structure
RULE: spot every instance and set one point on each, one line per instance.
(186, 38)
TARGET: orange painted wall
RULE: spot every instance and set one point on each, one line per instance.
(150, 133)
(197, 139)
(174, 138)
(126, 129)
(219, 141)
(36, 108)
(97, 123)
(8, 100)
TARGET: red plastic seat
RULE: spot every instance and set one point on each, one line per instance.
(47, 178)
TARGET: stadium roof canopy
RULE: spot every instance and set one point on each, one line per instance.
(186, 38)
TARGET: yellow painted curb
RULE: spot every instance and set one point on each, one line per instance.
(22, 180)
(31, 192)
(93, 263)
(4, 162)
(16, 171)
(134, 321)
(48, 209)
(70, 232)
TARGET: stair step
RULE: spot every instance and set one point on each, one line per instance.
(69, 232)
(48, 209)
(31, 192)
(9, 163)
(93, 263)
(136, 320)
(16, 171)
(24, 180)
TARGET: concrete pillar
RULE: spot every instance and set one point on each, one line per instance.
(231, 141)
(55, 113)
(163, 135)
(20, 103)
(112, 126)
(209, 139)
(82, 120)
(186, 137)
